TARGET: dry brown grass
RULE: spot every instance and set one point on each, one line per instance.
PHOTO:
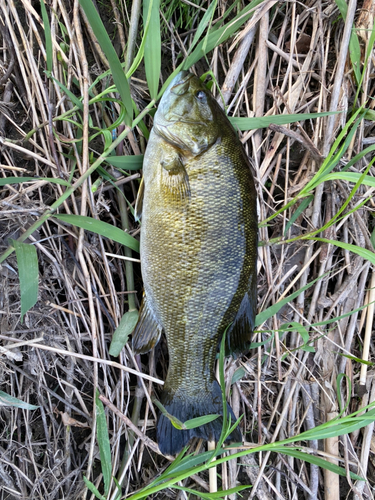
(290, 58)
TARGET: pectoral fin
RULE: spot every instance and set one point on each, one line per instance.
(174, 177)
(147, 331)
(239, 334)
(139, 202)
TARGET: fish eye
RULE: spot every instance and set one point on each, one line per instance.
(200, 95)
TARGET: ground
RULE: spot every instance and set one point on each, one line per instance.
(316, 238)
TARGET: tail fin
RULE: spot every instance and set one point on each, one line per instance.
(172, 440)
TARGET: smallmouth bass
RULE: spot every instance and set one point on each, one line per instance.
(198, 253)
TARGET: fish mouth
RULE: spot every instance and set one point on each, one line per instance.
(182, 82)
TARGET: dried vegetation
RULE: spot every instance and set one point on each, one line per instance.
(290, 57)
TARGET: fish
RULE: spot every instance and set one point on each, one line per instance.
(198, 248)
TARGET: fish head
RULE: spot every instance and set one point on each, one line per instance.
(186, 115)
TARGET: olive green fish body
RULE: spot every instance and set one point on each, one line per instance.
(198, 251)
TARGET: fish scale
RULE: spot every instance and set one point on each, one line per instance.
(198, 253)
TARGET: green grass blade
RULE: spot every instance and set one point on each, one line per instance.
(152, 53)
(320, 462)
(351, 177)
(337, 151)
(130, 162)
(227, 13)
(199, 421)
(188, 424)
(75, 100)
(27, 261)
(118, 495)
(339, 377)
(47, 34)
(293, 326)
(369, 51)
(216, 494)
(301, 208)
(237, 375)
(292, 202)
(363, 252)
(338, 427)
(107, 138)
(359, 156)
(93, 489)
(103, 443)
(275, 308)
(141, 124)
(122, 332)
(189, 462)
(18, 180)
(205, 40)
(328, 321)
(174, 420)
(217, 36)
(196, 464)
(102, 228)
(203, 24)
(354, 358)
(354, 47)
(347, 201)
(370, 114)
(7, 400)
(68, 192)
(254, 345)
(106, 175)
(224, 399)
(139, 56)
(265, 121)
(118, 74)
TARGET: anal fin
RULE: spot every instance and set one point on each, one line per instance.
(238, 337)
(147, 330)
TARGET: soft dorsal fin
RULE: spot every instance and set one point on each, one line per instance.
(147, 331)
